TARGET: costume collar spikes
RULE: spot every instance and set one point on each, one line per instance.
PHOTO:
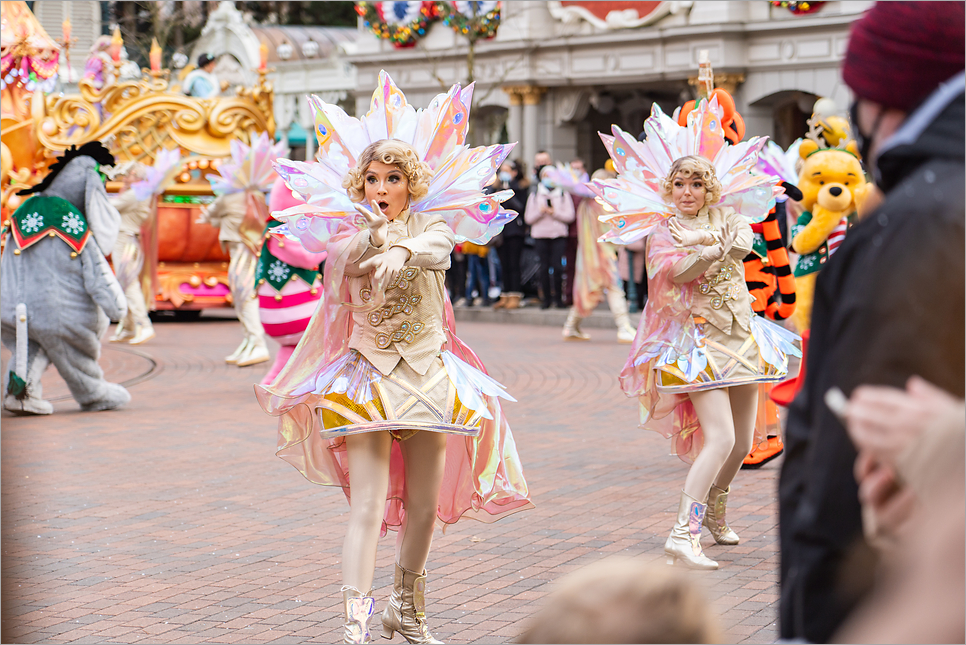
(635, 195)
(437, 134)
(157, 177)
(250, 167)
(42, 216)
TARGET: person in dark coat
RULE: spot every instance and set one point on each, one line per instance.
(512, 176)
(888, 305)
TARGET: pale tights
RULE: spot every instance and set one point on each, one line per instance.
(727, 417)
(424, 458)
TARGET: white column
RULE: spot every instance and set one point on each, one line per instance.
(531, 99)
(514, 124)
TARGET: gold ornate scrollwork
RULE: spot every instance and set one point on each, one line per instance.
(139, 118)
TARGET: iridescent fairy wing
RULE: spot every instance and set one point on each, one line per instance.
(751, 195)
(772, 160)
(260, 162)
(705, 134)
(634, 209)
(309, 225)
(249, 167)
(316, 185)
(566, 179)
(443, 124)
(166, 167)
(341, 138)
(232, 175)
(456, 192)
(389, 116)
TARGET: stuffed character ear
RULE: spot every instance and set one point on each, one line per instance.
(808, 147)
(101, 215)
(853, 148)
(683, 114)
(727, 104)
(738, 125)
(793, 192)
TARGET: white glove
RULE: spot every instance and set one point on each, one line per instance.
(728, 236)
(684, 236)
(377, 222)
(712, 253)
(386, 266)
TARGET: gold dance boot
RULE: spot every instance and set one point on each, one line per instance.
(358, 610)
(406, 611)
(684, 543)
(714, 519)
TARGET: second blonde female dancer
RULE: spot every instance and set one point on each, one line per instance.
(380, 392)
(700, 352)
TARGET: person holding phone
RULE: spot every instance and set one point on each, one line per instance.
(549, 213)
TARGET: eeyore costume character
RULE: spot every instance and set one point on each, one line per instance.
(51, 265)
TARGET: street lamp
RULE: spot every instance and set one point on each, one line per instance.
(285, 51)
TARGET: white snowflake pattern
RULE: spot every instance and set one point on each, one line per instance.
(73, 224)
(32, 223)
(279, 270)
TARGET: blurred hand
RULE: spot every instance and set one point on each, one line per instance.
(376, 221)
(886, 503)
(386, 266)
(884, 421)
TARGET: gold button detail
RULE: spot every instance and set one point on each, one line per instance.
(73, 254)
(281, 244)
(51, 234)
(16, 251)
(278, 297)
(314, 291)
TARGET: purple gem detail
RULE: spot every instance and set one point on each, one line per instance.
(458, 118)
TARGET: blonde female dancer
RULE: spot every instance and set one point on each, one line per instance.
(380, 392)
(700, 352)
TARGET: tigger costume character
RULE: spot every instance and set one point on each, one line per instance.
(768, 275)
(767, 269)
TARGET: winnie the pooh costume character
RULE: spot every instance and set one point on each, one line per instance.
(832, 181)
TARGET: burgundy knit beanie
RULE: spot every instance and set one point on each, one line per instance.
(900, 52)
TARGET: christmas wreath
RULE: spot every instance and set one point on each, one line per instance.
(474, 20)
(402, 23)
(798, 8)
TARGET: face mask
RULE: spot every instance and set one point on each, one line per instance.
(547, 184)
(536, 171)
(505, 177)
(862, 141)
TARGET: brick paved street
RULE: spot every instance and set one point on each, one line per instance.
(172, 521)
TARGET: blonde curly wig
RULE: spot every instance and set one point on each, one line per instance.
(690, 167)
(394, 153)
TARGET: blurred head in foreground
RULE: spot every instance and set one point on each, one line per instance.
(623, 600)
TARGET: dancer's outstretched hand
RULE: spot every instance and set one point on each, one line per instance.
(386, 266)
(376, 221)
(684, 236)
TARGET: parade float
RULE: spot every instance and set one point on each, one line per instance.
(187, 270)
(29, 60)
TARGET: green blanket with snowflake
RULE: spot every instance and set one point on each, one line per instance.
(43, 215)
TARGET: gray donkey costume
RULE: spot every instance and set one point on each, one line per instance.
(64, 281)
